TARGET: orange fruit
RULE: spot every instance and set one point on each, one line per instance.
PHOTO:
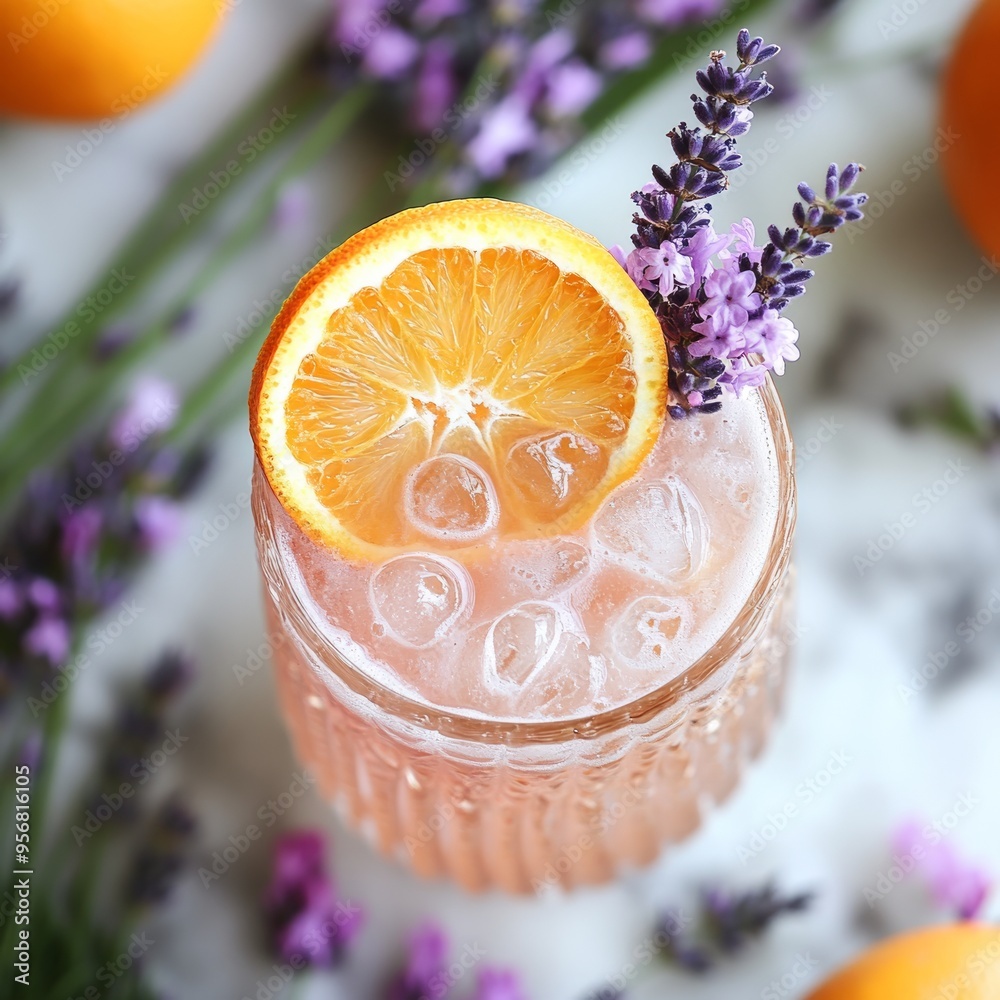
(88, 59)
(952, 962)
(465, 367)
(970, 142)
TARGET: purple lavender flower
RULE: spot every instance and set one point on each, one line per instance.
(659, 269)
(151, 408)
(721, 317)
(498, 984)
(82, 529)
(728, 298)
(773, 337)
(954, 884)
(48, 639)
(159, 521)
(306, 920)
(506, 80)
(425, 972)
(160, 858)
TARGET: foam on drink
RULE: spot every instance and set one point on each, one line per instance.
(556, 627)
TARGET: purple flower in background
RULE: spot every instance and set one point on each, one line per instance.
(498, 984)
(159, 521)
(81, 531)
(954, 883)
(626, 51)
(424, 974)
(294, 205)
(672, 12)
(506, 80)
(11, 600)
(48, 638)
(436, 86)
(305, 918)
(571, 87)
(83, 528)
(506, 130)
(151, 408)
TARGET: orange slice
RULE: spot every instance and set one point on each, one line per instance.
(456, 371)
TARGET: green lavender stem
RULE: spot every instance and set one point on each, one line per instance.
(50, 435)
(156, 240)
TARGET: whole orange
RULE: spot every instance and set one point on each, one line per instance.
(88, 59)
(952, 962)
(968, 136)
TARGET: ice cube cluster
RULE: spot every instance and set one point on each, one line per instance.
(558, 627)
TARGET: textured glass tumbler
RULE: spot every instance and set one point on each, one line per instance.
(524, 806)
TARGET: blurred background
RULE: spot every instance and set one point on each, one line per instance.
(144, 246)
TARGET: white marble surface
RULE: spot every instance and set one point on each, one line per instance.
(862, 635)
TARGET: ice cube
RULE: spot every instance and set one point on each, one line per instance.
(650, 631)
(661, 526)
(418, 597)
(521, 642)
(568, 682)
(554, 471)
(449, 497)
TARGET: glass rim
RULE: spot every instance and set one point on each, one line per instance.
(477, 729)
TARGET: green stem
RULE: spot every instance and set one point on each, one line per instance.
(64, 369)
(149, 246)
(51, 435)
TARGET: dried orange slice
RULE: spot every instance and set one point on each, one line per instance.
(456, 371)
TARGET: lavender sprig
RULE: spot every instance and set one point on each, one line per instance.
(84, 528)
(509, 81)
(725, 923)
(719, 297)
